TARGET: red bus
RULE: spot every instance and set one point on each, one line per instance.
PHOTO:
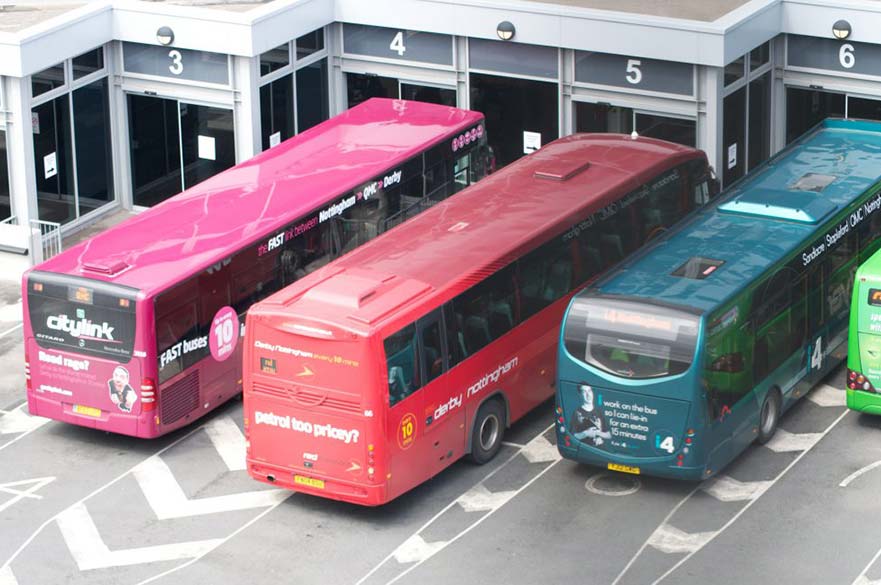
(136, 330)
(373, 374)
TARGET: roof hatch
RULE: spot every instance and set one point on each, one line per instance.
(800, 206)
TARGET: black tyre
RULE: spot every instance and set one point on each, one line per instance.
(489, 428)
(769, 416)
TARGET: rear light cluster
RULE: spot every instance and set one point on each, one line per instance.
(370, 462)
(857, 381)
(148, 393)
(566, 440)
(27, 371)
(689, 443)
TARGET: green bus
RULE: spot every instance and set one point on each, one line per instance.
(864, 339)
(691, 350)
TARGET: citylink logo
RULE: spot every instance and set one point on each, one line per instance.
(81, 328)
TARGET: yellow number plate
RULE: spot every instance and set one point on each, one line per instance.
(309, 481)
(624, 468)
(87, 410)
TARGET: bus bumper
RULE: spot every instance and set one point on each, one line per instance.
(862, 401)
(663, 468)
(324, 487)
(124, 424)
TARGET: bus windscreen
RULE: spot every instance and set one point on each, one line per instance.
(631, 340)
(85, 316)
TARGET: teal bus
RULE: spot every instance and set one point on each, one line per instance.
(864, 339)
(689, 351)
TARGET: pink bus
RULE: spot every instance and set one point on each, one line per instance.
(136, 330)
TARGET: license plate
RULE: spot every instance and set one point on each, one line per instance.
(624, 468)
(87, 410)
(309, 481)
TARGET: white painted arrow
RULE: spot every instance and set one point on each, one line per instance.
(480, 499)
(415, 550)
(669, 539)
(825, 395)
(6, 576)
(18, 421)
(540, 450)
(728, 489)
(10, 488)
(784, 441)
(168, 500)
(90, 552)
(229, 442)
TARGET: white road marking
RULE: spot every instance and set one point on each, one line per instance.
(455, 503)
(6, 576)
(861, 580)
(168, 500)
(229, 442)
(8, 331)
(540, 450)
(510, 444)
(728, 489)
(11, 312)
(480, 499)
(783, 441)
(18, 421)
(827, 396)
(416, 550)
(858, 473)
(670, 540)
(90, 552)
(19, 494)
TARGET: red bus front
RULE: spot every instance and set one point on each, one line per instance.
(311, 409)
(84, 355)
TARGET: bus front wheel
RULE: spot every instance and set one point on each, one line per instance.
(769, 416)
(489, 427)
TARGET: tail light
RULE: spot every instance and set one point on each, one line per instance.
(148, 393)
(857, 381)
(27, 371)
(731, 363)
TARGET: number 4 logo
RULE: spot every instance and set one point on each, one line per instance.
(817, 355)
(397, 44)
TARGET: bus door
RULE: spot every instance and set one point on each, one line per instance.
(444, 413)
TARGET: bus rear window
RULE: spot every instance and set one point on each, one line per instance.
(82, 316)
(629, 339)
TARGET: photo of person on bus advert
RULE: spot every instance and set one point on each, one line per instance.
(588, 423)
(121, 393)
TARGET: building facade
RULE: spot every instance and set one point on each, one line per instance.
(109, 105)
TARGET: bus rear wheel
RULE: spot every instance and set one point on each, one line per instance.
(486, 436)
(769, 416)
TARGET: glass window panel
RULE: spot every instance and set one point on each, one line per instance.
(361, 87)
(733, 135)
(759, 120)
(807, 107)
(310, 43)
(207, 140)
(734, 70)
(277, 110)
(53, 160)
(5, 200)
(47, 80)
(94, 160)
(513, 58)
(671, 129)
(759, 56)
(88, 63)
(425, 93)
(274, 59)
(312, 95)
(154, 148)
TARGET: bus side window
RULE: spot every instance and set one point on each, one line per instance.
(176, 321)
(726, 377)
(455, 336)
(869, 235)
(486, 311)
(438, 173)
(402, 364)
(432, 347)
(779, 322)
(544, 276)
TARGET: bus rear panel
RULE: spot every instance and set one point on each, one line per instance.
(629, 395)
(310, 419)
(81, 363)
(864, 344)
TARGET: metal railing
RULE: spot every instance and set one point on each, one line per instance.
(50, 234)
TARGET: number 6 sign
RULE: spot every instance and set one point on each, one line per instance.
(224, 335)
